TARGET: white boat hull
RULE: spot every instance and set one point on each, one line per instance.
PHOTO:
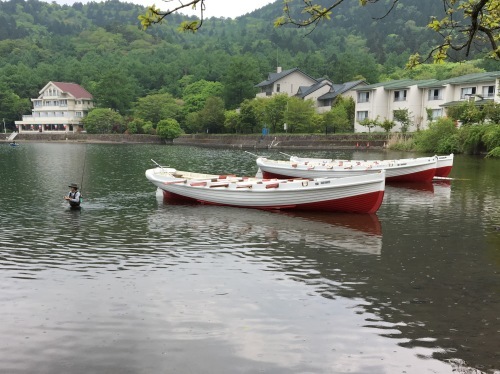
(444, 165)
(357, 194)
(407, 170)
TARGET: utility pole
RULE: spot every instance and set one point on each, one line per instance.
(4, 129)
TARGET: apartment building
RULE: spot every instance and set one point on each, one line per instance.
(294, 82)
(425, 100)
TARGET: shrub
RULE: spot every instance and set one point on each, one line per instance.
(148, 128)
(495, 152)
(491, 137)
(441, 137)
(470, 138)
(135, 126)
(399, 142)
(168, 129)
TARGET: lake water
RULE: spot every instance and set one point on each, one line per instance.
(131, 285)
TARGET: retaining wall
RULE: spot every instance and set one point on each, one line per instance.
(325, 142)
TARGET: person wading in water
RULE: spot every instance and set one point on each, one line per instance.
(73, 197)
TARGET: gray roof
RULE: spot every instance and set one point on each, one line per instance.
(273, 77)
(461, 102)
(429, 83)
(473, 78)
(338, 89)
(306, 90)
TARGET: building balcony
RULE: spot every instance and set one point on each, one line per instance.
(36, 120)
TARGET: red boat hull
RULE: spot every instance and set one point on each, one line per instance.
(443, 171)
(366, 203)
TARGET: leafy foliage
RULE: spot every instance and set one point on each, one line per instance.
(211, 117)
(102, 121)
(100, 45)
(168, 129)
(403, 117)
(337, 120)
(157, 107)
(470, 138)
(462, 25)
(196, 94)
(494, 153)
(441, 137)
(299, 115)
(469, 113)
(491, 136)
(387, 125)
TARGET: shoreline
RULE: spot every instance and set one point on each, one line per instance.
(282, 141)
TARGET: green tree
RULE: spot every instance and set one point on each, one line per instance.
(239, 80)
(299, 115)
(196, 94)
(232, 122)
(115, 90)
(102, 121)
(212, 116)
(403, 117)
(169, 129)
(157, 107)
(466, 112)
(387, 125)
(12, 107)
(192, 124)
(337, 120)
(370, 123)
(478, 25)
(248, 117)
(275, 109)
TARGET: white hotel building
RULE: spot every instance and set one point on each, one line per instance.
(59, 108)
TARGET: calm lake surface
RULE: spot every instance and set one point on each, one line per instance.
(131, 285)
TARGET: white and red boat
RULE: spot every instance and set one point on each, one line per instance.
(444, 165)
(420, 169)
(355, 194)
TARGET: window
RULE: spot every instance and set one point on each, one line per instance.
(63, 102)
(278, 87)
(400, 95)
(364, 97)
(361, 115)
(434, 94)
(488, 91)
(436, 113)
(467, 91)
(78, 114)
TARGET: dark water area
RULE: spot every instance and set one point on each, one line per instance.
(129, 284)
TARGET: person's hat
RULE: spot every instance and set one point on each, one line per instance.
(73, 185)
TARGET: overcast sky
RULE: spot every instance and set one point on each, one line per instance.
(214, 8)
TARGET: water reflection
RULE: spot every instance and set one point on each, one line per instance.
(130, 284)
(351, 232)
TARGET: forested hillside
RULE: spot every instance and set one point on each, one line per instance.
(102, 47)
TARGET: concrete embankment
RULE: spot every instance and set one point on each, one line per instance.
(88, 138)
(320, 142)
(285, 141)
